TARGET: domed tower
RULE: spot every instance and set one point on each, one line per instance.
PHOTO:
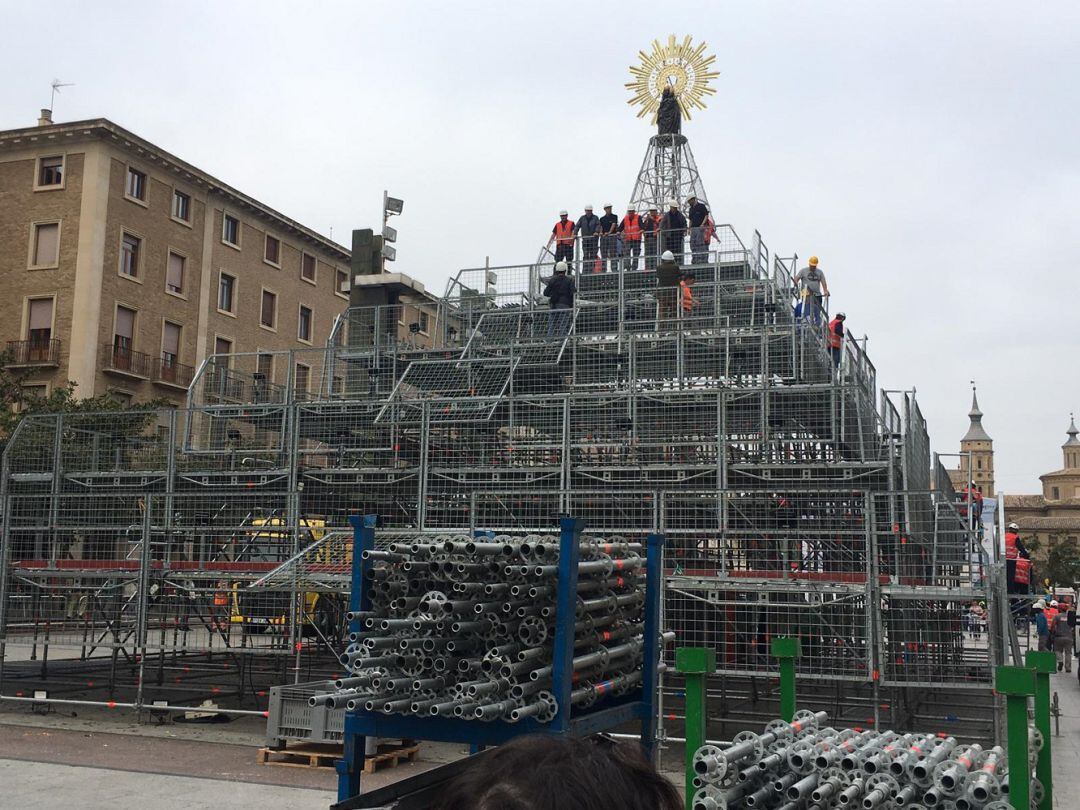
(1064, 484)
(977, 448)
(1071, 449)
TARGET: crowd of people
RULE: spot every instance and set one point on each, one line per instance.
(608, 244)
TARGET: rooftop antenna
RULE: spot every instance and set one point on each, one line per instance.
(56, 85)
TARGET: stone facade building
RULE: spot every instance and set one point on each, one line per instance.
(1053, 516)
(124, 267)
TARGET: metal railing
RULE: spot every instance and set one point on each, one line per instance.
(171, 372)
(127, 361)
(33, 352)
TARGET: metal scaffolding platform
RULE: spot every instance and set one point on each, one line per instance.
(197, 549)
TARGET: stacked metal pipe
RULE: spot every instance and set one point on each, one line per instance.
(806, 765)
(463, 627)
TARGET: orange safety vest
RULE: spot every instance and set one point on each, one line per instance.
(631, 228)
(1011, 552)
(687, 296)
(1023, 572)
(835, 340)
(564, 232)
(1050, 614)
(709, 229)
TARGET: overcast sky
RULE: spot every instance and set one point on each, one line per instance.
(926, 151)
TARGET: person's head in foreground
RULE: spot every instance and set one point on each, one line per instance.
(542, 772)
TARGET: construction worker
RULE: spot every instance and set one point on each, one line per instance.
(650, 231)
(836, 338)
(563, 237)
(1015, 550)
(673, 230)
(588, 229)
(667, 286)
(812, 280)
(560, 291)
(686, 295)
(698, 214)
(630, 228)
(1042, 628)
(609, 240)
(1061, 636)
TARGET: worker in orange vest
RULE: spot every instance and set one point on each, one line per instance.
(563, 237)
(686, 295)
(630, 228)
(836, 337)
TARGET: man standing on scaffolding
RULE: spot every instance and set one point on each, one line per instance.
(650, 230)
(697, 213)
(673, 230)
(630, 228)
(609, 240)
(588, 228)
(563, 237)
(813, 281)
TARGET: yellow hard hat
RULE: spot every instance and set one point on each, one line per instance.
(813, 261)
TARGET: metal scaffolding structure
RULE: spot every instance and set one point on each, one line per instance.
(174, 555)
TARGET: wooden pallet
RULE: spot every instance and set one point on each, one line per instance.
(312, 755)
(390, 755)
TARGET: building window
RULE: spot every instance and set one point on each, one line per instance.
(39, 325)
(226, 293)
(272, 250)
(422, 320)
(45, 251)
(50, 171)
(342, 283)
(1055, 494)
(264, 366)
(123, 335)
(268, 315)
(136, 185)
(303, 324)
(130, 250)
(303, 378)
(230, 231)
(307, 267)
(174, 273)
(222, 346)
(170, 345)
(978, 463)
(181, 206)
(337, 385)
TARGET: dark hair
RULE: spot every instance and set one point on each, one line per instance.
(546, 772)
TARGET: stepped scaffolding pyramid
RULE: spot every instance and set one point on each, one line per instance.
(166, 555)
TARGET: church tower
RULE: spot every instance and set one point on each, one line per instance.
(1071, 449)
(977, 449)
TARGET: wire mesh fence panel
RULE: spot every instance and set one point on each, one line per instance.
(935, 641)
(831, 624)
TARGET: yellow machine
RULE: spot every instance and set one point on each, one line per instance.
(269, 540)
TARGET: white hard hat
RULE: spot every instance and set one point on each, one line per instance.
(608, 205)
(672, 203)
(1053, 603)
(560, 267)
(629, 208)
(841, 316)
(588, 207)
(1040, 605)
(1013, 526)
(667, 256)
(563, 213)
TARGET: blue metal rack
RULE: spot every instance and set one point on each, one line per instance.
(608, 713)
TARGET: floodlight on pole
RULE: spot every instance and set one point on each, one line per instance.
(391, 206)
(389, 252)
(389, 233)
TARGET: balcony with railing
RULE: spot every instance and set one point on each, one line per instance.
(127, 362)
(31, 353)
(173, 374)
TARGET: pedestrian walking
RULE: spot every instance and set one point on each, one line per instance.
(698, 214)
(630, 230)
(673, 230)
(588, 231)
(1042, 629)
(563, 237)
(650, 232)
(609, 240)
(836, 338)
(667, 286)
(812, 280)
(560, 292)
(1062, 636)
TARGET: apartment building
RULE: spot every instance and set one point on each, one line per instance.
(124, 267)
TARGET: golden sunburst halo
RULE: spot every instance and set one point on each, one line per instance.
(683, 65)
